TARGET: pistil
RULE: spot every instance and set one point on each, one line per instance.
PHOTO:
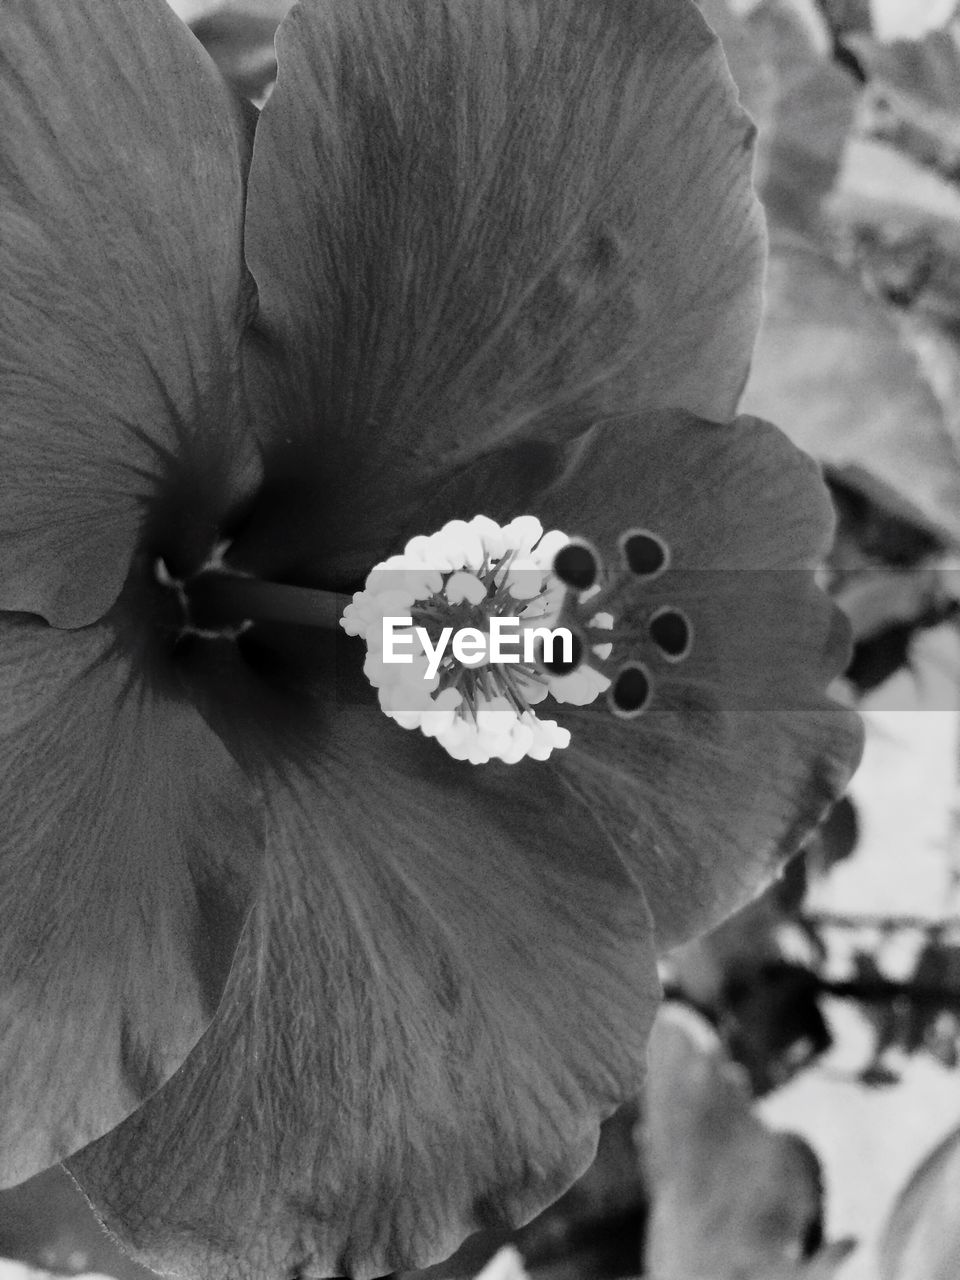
(217, 599)
(435, 620)
(463, 579)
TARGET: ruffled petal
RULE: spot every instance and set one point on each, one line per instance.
(448, 983)
(475, 223)
(129, 854)
(122, 173)
(738, 753)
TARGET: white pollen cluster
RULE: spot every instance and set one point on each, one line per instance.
(462, 576)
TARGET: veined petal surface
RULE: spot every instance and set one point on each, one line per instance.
(739, 752)
(447, 985)
(121, 201)
(478, 221)
(129, 854)
(486, 973)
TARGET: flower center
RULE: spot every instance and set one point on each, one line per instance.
(465, 637)
(472, 627)
(217, 602)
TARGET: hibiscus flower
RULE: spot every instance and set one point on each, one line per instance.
(476, 257)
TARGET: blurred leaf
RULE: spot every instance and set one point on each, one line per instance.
(751, 68)
(938, 354)
(889, 611)
(925, 71)
(832, 369)
(17, 1271)
(238, 35)
(882, 189)
(876, 598)
(847, 16)
(911, 267)
(801, 102)
(892, 581)
(731, 1199)
(707, 970)
(898, 197)
(773, 1025)
(836, 368)
(701, 970)
(813, 108)
(869, 537)
(937, 970)
(835, 839)
(879, 658)
(506, 1264)
(896, 19)
(47, 1223)
(921, 1240)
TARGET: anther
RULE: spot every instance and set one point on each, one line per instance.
(558, 665)
(671, 632)
(577, 566)
(629, 694)
(644, 553)
(472, 582)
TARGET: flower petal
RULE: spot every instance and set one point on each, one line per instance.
(447, 985)
(739, 753)
(124, 293)
(129, 853)
(474, 223)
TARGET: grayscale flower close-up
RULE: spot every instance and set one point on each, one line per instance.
(466, 467)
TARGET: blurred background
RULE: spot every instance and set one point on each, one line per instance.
(802, 1112)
